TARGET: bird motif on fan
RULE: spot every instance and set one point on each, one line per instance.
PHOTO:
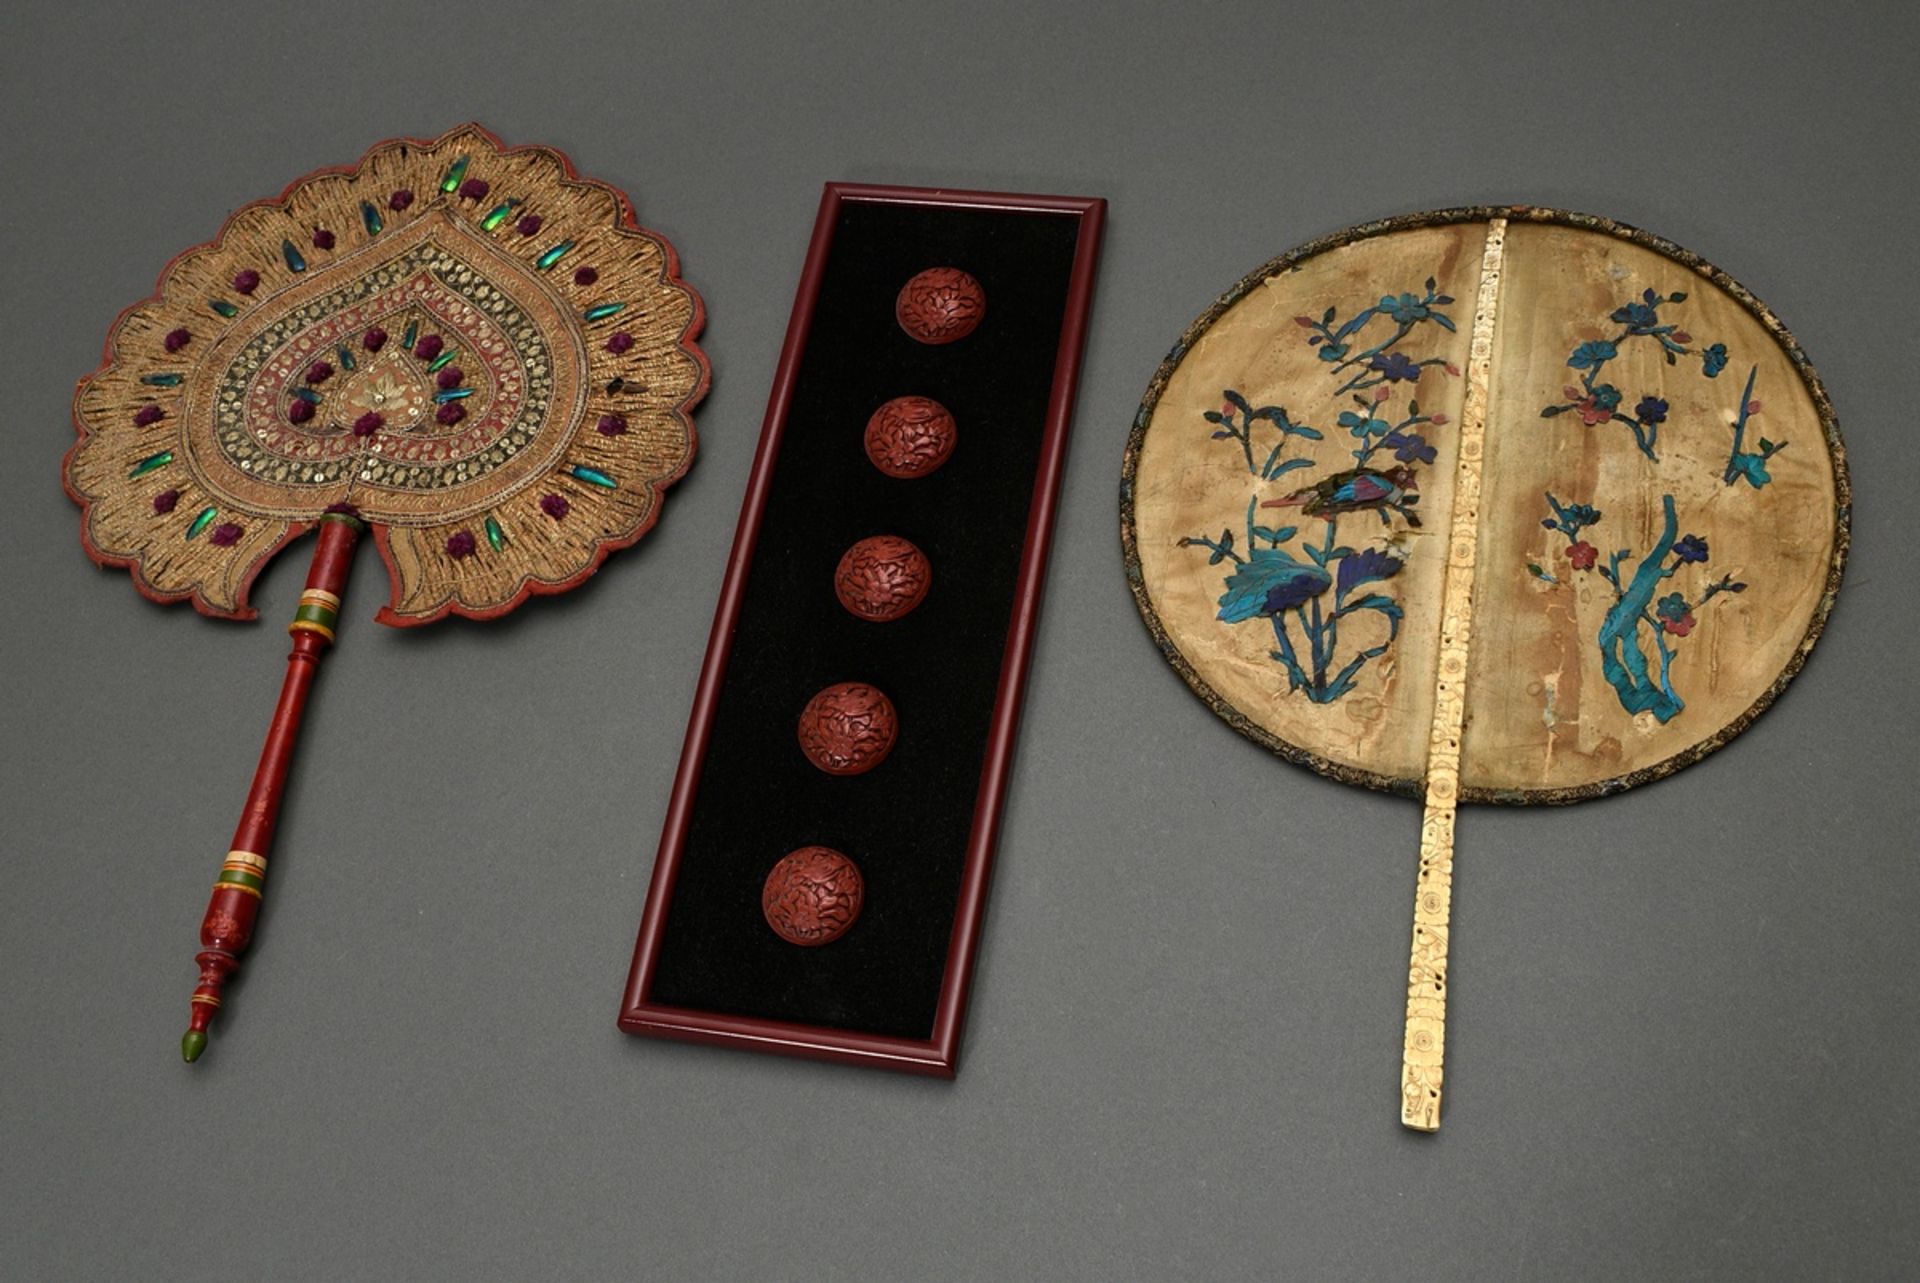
(1505, 653)
(1357, 490)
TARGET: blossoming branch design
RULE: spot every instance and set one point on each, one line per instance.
(1235, 420)
(1623, 658)
(1749, 463)
(1598, 402)
(1305, 591)
(1378, 364)
(1362, 488)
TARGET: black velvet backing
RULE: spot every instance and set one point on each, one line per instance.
(906, 822)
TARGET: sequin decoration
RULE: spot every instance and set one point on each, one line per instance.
(263, 379)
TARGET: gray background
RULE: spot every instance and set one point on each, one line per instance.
(1683, 1038)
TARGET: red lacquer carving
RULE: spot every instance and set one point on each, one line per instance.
(910, 436)
(882, 578)
(940, 305)
(812, 896)
(848, 728)
(937, 1051)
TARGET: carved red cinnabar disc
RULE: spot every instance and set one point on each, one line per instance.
(882, 578)
(910, 436)
(848, 728)
(940, 305)
(812, 896)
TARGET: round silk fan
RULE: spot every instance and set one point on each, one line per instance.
(464, 348)
(1488, 505)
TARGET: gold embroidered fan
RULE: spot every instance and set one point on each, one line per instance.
(1495, 505)
(466, 348)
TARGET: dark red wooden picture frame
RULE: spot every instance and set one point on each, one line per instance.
(938, 1054)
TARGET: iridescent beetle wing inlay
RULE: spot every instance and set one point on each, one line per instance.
(473, 348)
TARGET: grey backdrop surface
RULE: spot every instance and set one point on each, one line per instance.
(1684, 1034)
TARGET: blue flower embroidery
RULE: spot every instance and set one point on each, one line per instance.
(1266, 583)
(1598, 403)
(1638, 317)
(1571, 518)
(1362, 425)
(1406, 309)
(1270, 581)
(1395, 367)
(1409, 447)
(1751, 466)
(1643, 681)
(1592, 354)
(1297, 590)
(1366, 566)
(1691, 548)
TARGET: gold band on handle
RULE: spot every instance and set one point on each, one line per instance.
(249, 860)
(318, 612)
(1424, 1050)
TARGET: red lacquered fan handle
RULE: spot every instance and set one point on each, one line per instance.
(235, 902)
